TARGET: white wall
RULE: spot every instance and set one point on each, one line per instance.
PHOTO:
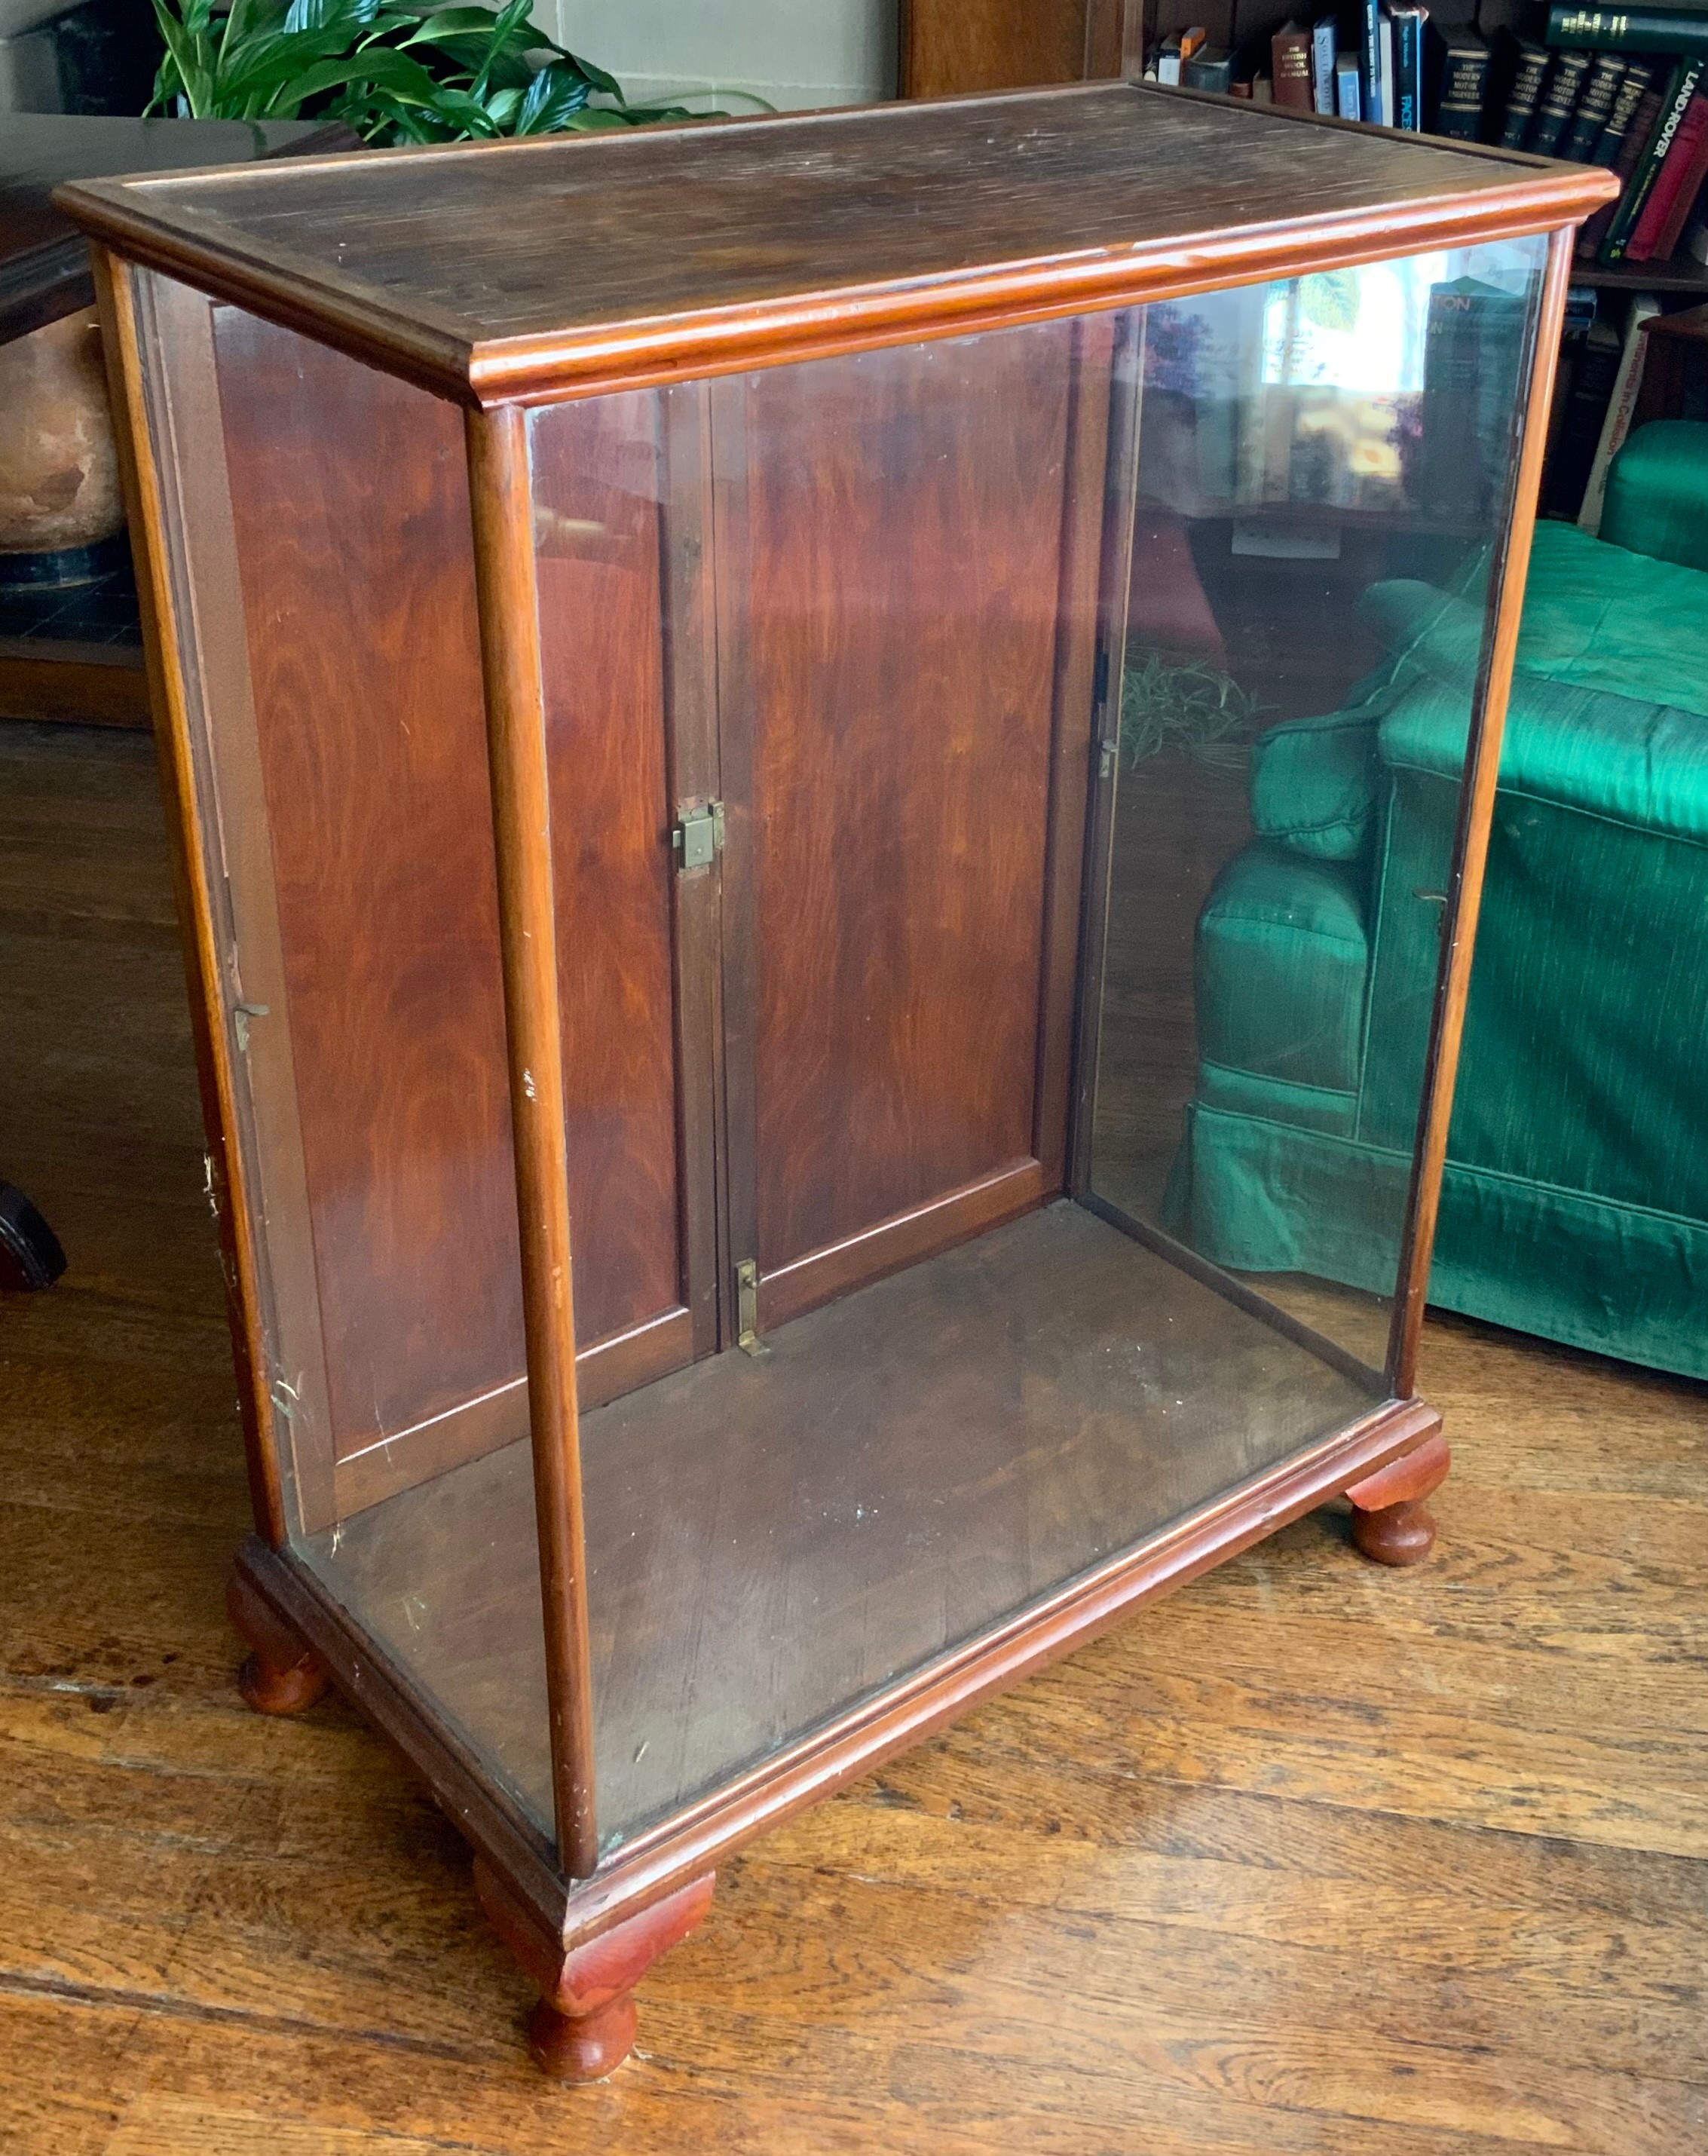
(794, 53)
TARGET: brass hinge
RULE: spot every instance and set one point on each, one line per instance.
(698, 836)
(748, 1337)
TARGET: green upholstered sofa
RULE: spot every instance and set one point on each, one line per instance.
(1575, 1198)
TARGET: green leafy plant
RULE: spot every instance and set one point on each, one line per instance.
(394, 73)
(1190, 710)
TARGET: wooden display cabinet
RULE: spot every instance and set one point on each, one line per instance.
(640, 630)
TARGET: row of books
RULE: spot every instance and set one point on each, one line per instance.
(1381, 76)
(1628, 90)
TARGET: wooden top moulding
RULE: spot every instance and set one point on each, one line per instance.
(494, 272)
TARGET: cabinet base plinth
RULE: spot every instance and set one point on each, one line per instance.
(1390, 1525)
(280, 1676)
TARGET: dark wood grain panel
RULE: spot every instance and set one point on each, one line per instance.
(351, 510)
(368, 712)
(715, 246)
(898, 572)
(596, 550)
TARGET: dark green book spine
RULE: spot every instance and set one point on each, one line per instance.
(1635, 30)
(1638, 75)
(1595, 108)
(1557, 103)
(1461, 72)
(1522, 98)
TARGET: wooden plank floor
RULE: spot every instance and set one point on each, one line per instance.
(1313, 1858)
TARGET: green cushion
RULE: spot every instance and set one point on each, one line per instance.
(1657, 497)
(1282, 958)
(1600, 617)
(1313, 785)
(1644, 765)
(1595, 617)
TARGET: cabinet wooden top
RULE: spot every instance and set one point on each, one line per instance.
(566, 264)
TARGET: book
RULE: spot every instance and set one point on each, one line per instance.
(1289, 62)
(1459, 71)
(1661, 226)
(1585, 411)
(1637, 113)
(1370, 59)
(1557, 103)
(1384, 33)
(1322, 63)
(1210, 69)
(1168, 63)
(1192, 41)
(1407, 18)
(1674, 103)
(1635, 30)
(1595, 107)
(1621, 404)
(1349, 102)
(1525, 72)
(1263, 89)
(1636, 84)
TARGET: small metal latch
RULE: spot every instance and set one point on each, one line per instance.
(698, 836)
(748, 1337)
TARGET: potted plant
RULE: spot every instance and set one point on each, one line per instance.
(392, 73)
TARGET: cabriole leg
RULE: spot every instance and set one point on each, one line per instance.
(584, 2025)
(1390, 1524)
(280, 1676)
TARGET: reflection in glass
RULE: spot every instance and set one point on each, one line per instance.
(1321, 477)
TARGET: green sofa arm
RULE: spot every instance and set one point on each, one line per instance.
(1657, 493)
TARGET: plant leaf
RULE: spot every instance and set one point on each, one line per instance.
(190, 60)
(552, 96)
(595, 119)
(598, 78)
(377, 64)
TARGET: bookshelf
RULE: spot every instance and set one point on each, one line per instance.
(1684, 277)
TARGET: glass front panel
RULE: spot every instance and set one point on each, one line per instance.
(1001, 797)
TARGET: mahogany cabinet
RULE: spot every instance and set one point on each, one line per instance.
(704, 677)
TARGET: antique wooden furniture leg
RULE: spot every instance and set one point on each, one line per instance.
(584, 2025)
(280, 1676)
(1390, 1524)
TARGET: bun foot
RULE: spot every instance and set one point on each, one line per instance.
(271, 1690)
(585, 2048)
(1397, 1534)
(1389, 1523)
(280, 1676)
(583, 2028)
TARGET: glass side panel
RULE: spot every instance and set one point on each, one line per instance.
(329, 551)
(1321, 477)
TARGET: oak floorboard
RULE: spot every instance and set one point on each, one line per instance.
(1311, 1861)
